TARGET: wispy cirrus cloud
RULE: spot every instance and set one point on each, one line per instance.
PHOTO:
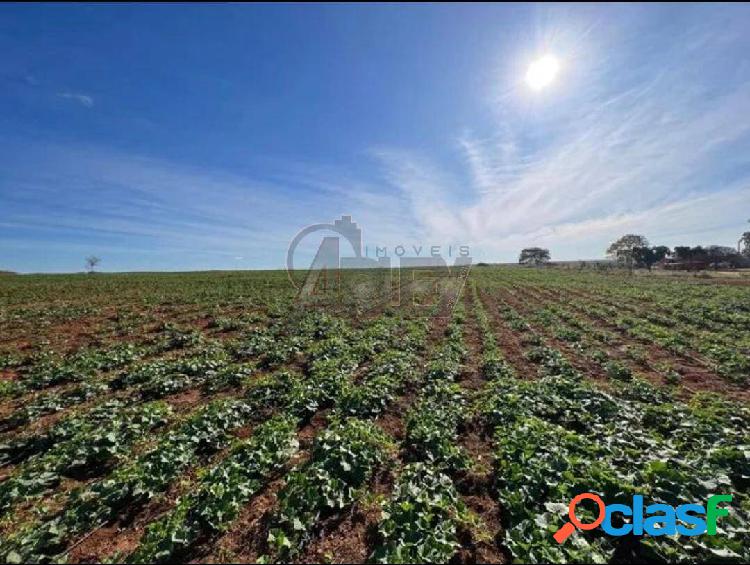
(668, 156)
(646, 133)
(673, 166)
(83, 99)
(140, 208)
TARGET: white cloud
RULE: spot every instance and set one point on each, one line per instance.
(111, 198)
(669, 156)
(664, 151)
(82, 99)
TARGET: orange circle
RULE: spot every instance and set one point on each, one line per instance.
(572, 511)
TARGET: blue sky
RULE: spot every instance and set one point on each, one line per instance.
(205, 137)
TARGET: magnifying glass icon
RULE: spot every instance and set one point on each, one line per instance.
(569, 527)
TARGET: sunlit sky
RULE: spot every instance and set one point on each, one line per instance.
(205, 137)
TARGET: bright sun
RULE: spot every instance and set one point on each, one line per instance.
(542, 72)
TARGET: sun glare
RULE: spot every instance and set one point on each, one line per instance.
(542, 72)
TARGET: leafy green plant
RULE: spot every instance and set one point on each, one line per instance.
(618, 371)
(94, 445)
(421, 521)
(344, 458)
(221, 493)
(131, 484)
(432, 427)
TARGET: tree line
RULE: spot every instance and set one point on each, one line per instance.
(635, 252)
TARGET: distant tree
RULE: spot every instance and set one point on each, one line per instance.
(91, 263)
(534, 256)
(744, 244)
(720, 256)
(649, 256)
(716, 256)
(641, 257)
(698, 253)
(661, 252)
(682, 253)
(622, 250)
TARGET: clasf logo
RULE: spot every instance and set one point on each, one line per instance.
(657, 520)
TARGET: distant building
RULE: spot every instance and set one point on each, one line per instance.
(677, 265)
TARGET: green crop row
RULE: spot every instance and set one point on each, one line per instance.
(94, 446)
(130, 485)
(220, 494)
(421, 519)
(333, 357)
(558, 436)
(344, 458)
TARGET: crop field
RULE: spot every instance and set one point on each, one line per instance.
(212, 417)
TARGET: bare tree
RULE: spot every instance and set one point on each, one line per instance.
(91, 263)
